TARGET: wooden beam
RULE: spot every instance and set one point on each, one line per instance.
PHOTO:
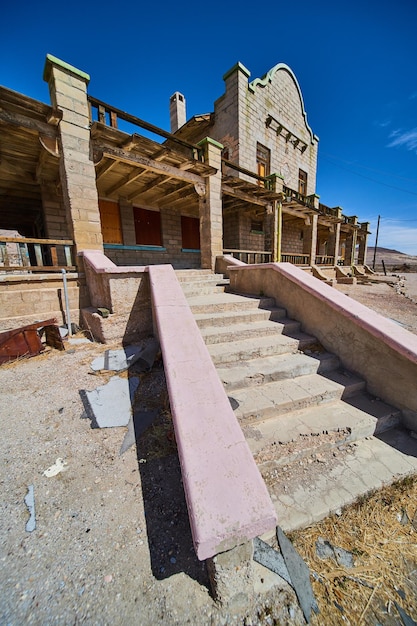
(172, 198)
(118, 154)
(22, 121)
(246, 197)
(126, 180)
(102, 169)
(174, 192)
(148, 186)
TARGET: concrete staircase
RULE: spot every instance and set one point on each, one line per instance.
(319, 438)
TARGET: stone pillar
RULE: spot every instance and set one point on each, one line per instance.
(68, 91)
(363, 243)
(350, 248)
(211, 217)
(310, 238)
(333, 242)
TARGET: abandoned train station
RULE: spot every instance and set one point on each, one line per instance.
(212, 239)
(78, 174)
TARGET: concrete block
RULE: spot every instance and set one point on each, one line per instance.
(231, 576)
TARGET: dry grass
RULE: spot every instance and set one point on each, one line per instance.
(381, 533)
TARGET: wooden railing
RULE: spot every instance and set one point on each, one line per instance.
(295, 259)
(250, 256)
(110, 115)
(27, 254)
(292, 195)
(323, 259)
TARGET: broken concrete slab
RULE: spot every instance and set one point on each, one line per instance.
(299, 573)
(136, 426)
(116, 360)
(147, 357)
(30, 503)
(265, 554)
(110, 405)
(121, 360)
(325, 550)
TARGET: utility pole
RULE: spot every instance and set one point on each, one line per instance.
(376, 243)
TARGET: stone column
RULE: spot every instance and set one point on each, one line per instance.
(363, 243)
(350, 248)
(333, 242)
(68, 91)
(211, 214)
(310, 238)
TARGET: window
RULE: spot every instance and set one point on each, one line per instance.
(257, 226)
(263, 161)
(190, 232)
(111, 226)
(302, 182)
(147, 227)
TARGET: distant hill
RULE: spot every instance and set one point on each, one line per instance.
(392, 259)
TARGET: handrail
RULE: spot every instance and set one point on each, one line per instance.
(258, 256)
(115, 114)
(324, 259)
(291, 194)
(35, 254)
(227, 500)
(295, 259)
(269, 182)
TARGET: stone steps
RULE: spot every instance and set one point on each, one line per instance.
(252, 348)
(306, 491)
(245, 330)
(319, 438)
(226, 318)
(274, 399)
(267, 369)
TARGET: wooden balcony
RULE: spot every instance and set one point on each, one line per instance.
(22, 254)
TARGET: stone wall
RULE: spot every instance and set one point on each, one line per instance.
(292, 238)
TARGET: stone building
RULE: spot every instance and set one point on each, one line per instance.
(79, 174)
(263, 127)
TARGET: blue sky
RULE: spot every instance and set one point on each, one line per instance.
(356, 63)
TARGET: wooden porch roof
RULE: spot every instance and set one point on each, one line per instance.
(145, 171)
(28, 153)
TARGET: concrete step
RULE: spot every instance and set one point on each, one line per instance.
(189, 274)
(226, 318)
(254, 404)
(256, 372)
(387, 417)
(235, 332)
(314, 429)
(295, 435)
(245, 349)
(306, 491)
(227, 302)
(200, 288)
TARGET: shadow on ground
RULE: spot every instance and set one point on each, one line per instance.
(168, 528)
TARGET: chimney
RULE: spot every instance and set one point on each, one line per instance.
(177, 111)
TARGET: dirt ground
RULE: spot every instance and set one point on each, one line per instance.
(112, 542)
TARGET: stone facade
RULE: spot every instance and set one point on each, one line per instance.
(251, 113)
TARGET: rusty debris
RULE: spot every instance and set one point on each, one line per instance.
(26, 340)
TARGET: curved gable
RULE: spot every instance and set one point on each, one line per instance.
(269, 77)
